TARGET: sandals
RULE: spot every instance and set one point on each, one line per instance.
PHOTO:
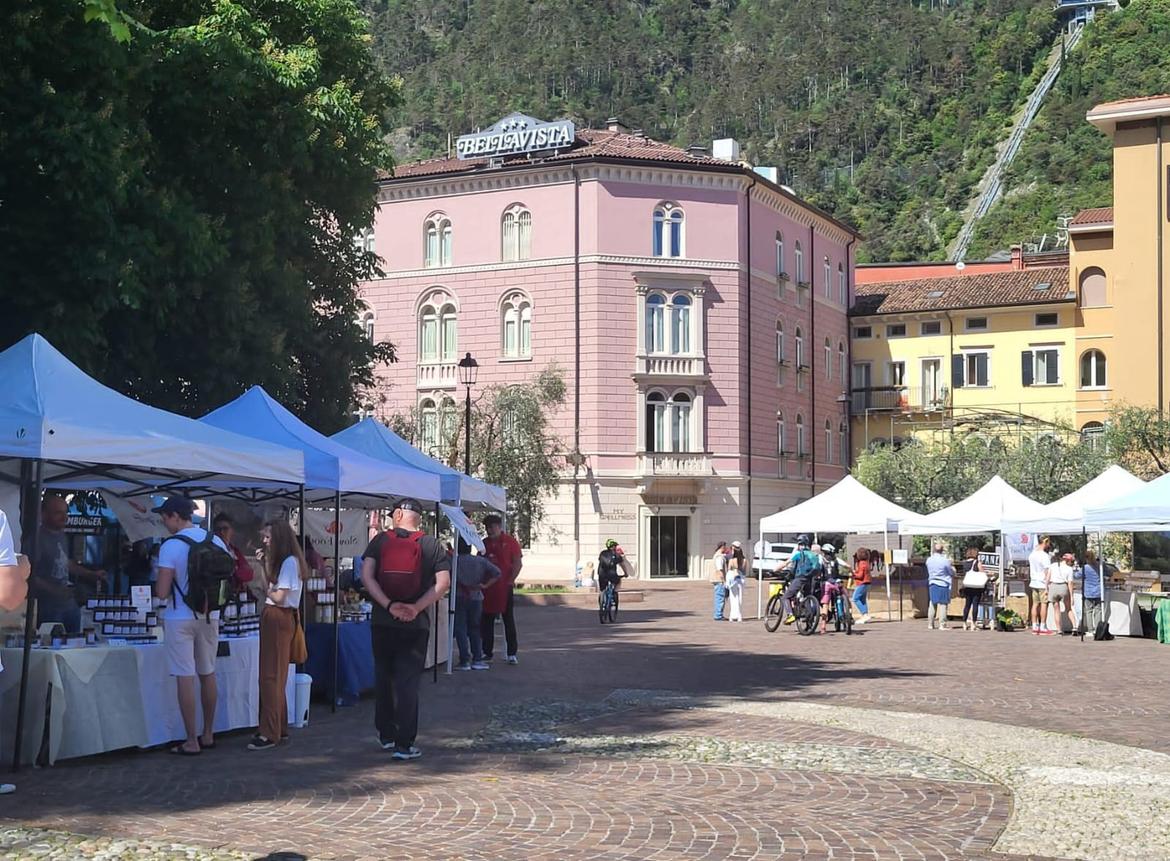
(179, 750)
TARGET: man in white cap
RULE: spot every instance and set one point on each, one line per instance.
(14, 571)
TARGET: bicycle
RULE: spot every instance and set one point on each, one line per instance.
(805, 608)
(840, 614)
(607, 603)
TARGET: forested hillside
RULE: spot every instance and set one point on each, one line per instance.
(1065, 164)
(883, 112)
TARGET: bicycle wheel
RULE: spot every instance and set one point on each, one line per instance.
(613, 606)
(603, 605)
(848, 622)
(774, 615)
(809, 616)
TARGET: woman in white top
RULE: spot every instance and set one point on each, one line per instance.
(287, 570)
(1059, 579)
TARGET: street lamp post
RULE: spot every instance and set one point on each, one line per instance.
(468, 371)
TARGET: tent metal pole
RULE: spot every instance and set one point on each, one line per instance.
(336, 595)
(1104, 589)
(886, 558)
(301, 537)
(30, 528)
(435, 661)
(451, 599)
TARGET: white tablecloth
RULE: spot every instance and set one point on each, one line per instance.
(112, 697)
(1124, 618)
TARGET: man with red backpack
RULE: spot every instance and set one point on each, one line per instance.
(405, 572)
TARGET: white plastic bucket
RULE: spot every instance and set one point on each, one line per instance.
(300, 716)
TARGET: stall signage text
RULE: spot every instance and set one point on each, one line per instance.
(516, 134)
(84, 524)
(989, 562)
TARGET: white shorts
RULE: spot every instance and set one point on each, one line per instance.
(191, 646)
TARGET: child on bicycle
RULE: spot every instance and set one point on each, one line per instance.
(833, 587)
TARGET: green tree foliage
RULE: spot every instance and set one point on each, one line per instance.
(512, 443)
(884, 113)
(177, 199)
(1065, 164)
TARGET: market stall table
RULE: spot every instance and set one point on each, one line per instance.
(105, 698)
(1124, 618)
(355, 659)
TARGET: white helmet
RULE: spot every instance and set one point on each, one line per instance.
(828, 548)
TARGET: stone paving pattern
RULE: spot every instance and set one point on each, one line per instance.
(651, 738)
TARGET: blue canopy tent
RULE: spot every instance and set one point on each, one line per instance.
(373, 438)
(60, 427)
(458, 490)
(333, 471)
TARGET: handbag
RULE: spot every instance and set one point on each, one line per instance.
(298, 652)
(974, 579)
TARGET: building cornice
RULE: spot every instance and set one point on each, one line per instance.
(653, 267)
(939, 313)
(1100, 227)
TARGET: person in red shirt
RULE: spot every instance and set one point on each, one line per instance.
(504, 552)
(862, 578)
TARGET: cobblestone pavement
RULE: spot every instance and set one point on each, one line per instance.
(671, 736)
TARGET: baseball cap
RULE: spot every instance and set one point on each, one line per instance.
(409, 503)
(179, 505)
(736, 544)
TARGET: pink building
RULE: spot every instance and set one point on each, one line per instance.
(695, 410)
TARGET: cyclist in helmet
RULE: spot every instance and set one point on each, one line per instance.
(609, 565)
(804, 564)
(833, 585)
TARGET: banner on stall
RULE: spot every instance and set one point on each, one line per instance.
(135, 516)
(1019, 545)
(990, 563)
(355, 531)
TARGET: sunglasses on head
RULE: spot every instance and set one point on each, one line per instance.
(410, 506)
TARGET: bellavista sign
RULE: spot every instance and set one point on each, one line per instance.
(516, 134)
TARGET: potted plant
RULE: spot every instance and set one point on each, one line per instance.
(1008, 620)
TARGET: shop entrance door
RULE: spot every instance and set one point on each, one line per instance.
(669, 546)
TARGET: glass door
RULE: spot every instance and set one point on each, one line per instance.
(669, 546)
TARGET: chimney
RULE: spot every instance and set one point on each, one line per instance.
(615, 125)
(1017, 257)
(771, 174)
(697, 151)
(726, 149)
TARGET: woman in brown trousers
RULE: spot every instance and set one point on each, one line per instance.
(287, 571)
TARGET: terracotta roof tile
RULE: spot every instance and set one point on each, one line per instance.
(591, 143)
(1098, 215)
(1018, 287)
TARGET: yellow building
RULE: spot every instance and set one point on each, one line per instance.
(990, 350)
(1021, 344)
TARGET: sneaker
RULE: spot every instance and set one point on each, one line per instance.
(405, 753)
(386, 745)
(512, 659)
(261, 743)
(789, 620)
(7, 788)
(1044, 632)
(479, 665)
(463, 668)
(487, 659)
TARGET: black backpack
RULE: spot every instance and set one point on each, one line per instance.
(210, 569)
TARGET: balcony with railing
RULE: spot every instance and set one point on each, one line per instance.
(441, 374)
(899, 399)
(681, 464)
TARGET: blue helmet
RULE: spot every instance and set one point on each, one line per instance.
(802, 541)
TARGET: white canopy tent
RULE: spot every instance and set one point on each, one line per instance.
(1146, 509)
(1066, 516)
(985, 510)
(848, 506)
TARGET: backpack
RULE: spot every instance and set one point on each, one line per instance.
(210, 570)
(400, 566)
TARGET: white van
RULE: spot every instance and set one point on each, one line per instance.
(769, 553)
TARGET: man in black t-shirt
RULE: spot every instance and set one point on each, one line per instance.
(415, 570)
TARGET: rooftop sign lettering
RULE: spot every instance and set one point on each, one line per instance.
(516, 134)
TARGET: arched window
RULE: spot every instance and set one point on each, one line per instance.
(655, 323)
(842, 287)
(828, 441)
(437, 338)
(828, 273)
(828, 359)
(428, 426)
(368, 325)
(363, 240)
(799, 253)
(780, 273)
(448, 421)
(668, 422)
(516, 234)
(667, 238)
(841, 363)
(799, 349)
(680, 324)
(781, 445)
(779, 342)
(1093, 371)
(800, 447)
(516, 320)
(1093, 434)
(1093, 292)
(437, 233)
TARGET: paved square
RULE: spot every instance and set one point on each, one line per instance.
(669, 736)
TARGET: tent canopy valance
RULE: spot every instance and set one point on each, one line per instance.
(329, 466)
(87, 434)
(848, 506)
(985, 510)
(374, 439)
(1146, 509)
(1066, 516)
